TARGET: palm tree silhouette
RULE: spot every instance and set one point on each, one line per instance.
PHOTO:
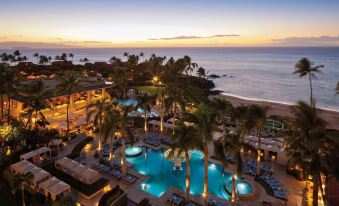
(305, 67)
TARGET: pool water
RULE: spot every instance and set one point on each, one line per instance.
(134, 102)
(154, 164)
(242, 187)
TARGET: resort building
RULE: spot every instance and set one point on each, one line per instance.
(90, 89)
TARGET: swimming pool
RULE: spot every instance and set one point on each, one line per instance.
(154, 164)
(134, 102)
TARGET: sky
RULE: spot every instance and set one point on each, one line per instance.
(169, 23)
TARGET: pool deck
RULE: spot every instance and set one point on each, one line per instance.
(292, 185)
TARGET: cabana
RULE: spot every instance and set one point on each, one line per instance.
(77, 171)
(90, 176)
(15, 167)
(38, 177)
(55, 188)
(69, 167)
(59, 164)
(35, 155)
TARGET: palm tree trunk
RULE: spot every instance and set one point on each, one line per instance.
(315, 189)
(100, 131)
(9, 106)
(29, 119)
(174, 116)
(188, 175)
(234, 194)
(67, 116)
(123, 156)
(36, 119)
(259, 154)
(23, 195)
(2, 105)
(145, 126)
(205, 192)
(311, 97)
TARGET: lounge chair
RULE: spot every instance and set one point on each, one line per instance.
(177, 201)
(170, 198)
(211, 202)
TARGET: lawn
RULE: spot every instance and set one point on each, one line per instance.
(83, 188)
(149, 89)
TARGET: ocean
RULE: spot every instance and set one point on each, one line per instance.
(253, 73)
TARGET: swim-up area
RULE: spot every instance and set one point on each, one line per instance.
(159, 169)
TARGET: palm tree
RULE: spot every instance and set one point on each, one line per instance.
(71, 55)
(204, 118)
(98, 110)
(35, 101)
(146, 102)
(11, 78)
(305, 67)
(24, 58)
(4, 57)
(260, 118)
(3, 70)
(164, 107)
(110, 126)
(123, 122)
(36, 55)
(310, 146)
(70, 83)
(186, 139)
(21, 182)
(119, 77)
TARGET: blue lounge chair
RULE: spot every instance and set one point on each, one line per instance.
(170, 198)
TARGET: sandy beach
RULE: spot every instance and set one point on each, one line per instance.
(284, 110)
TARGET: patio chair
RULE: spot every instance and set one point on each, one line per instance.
(170, 198)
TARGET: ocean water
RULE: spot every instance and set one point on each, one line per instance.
(257, 73)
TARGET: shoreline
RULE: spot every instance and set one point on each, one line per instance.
(283, 109)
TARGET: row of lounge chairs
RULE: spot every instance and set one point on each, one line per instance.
(153, 139)
(177, 200)
(275, 185)
(116, 174)
(250, 167)
(211, 202)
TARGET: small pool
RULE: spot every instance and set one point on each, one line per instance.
(133, 151)
(159, 169)
(242, 187)
(127, 102)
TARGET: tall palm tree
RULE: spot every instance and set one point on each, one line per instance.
(204, 118)
(146, 102)
(119, 77)
(71, 55)
(310, 146)
(305, 67)
(110, 126)
(186, 139)
(70, 83)
(164, 107)
(21, 182)
(260, 120)
(11, 79)
(35, 101)
(98, 110)
(3, 70)
(123, 124)
(36, 55)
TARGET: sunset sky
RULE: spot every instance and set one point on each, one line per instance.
(146, 23)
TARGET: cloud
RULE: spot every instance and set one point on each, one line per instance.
(308, 41)
(196, 37)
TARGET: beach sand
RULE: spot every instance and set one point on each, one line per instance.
(284, 110)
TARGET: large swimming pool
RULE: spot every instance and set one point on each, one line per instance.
(154, 164)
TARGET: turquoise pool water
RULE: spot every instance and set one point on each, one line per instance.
(154, 164)
(134, 102)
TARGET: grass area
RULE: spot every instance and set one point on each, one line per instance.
(77, 149)
(149, 89)
(85, 189)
